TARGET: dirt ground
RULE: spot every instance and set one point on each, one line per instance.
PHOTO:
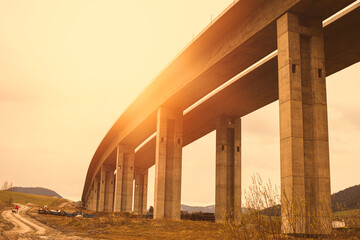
(21, 226)
(125, 226)
(28, 224)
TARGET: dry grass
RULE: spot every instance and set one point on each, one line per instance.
(252, 225)
(270, 229)
(122, 226)
(351, 217)
(255, 225)
(4, 225)
(4, 205)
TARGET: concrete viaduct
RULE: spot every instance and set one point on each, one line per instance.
(294, 52)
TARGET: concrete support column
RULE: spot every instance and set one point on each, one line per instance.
(124, 177)
(92, 198)
(109, 190)
(88, 202)
(140, 198)
(168, 160)
(101, 201)
(88, 199)
(304, 148)
(96, 192)
(228, 169)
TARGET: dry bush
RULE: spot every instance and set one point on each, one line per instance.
(253, 223)
(350, 217)
(261, 218)
(111, 219)
(5, 205)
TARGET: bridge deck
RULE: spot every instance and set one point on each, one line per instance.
(242, 35)
(260, 87)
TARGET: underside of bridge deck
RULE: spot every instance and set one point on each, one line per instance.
(242, 35)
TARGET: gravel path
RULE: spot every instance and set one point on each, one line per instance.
(29, 228)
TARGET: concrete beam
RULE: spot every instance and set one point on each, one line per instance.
(342, 42)
(304, 149)
(228, 169)
(167, 201)
(140, 197)
(124, 176)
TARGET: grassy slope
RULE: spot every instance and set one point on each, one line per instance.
(347, 213)
(23, 198)
(121, 226)
(346, 199)
(351, 217)
(118, 226)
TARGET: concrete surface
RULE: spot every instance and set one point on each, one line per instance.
(167, 200)
(228, 169)
(304, 148)
(307, 53)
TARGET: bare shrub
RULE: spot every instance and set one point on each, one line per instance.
(261, 218)
(305, 215)
(257, 220)
(5, 185)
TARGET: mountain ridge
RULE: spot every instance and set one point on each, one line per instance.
(35, 190)
(191, 209)
(346, 199)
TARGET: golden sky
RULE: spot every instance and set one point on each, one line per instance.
(69, 68)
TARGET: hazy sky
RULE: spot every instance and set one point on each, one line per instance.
(68, 69)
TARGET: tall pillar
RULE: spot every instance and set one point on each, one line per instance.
(228, 169)
(96, 192)
(304, 148)
(92, 198)
(102, 189)
(88, 201)
(167, 200)
(140, 198)
(109, 189)
(124, 177)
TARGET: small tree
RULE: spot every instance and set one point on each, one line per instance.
(5, 185)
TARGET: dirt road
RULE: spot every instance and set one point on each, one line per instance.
(29, 228)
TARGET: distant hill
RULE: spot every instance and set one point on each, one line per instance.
(35, 190)
(26, 198)
(191, 209)
(347, 199)
(272, 211)
(207, 209)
